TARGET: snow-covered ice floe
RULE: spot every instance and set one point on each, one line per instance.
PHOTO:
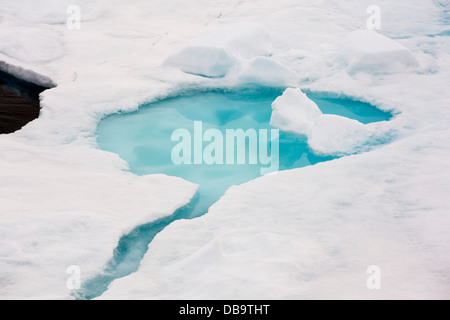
(312, 232)
(327, 134)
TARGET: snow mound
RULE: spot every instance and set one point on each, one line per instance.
(245, 40)
(370, 52)
(294, 112)
(336, 135)
(327, 134)
(216, 54)
(203, 61)
(267, 72)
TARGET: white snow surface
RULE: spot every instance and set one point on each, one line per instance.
(266, 72)
(239, 51)
(305, 233)
(203, 61)
(335, 135)
(293, 111)
(244, 39)
(369, 51)
(327, 134)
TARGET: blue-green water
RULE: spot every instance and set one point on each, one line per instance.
(143, 139)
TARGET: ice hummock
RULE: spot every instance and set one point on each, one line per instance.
(337, 135)
(205, 61)
(371, 52)
(240, 51)
(295, 112)
(265, 71)
(327, 134)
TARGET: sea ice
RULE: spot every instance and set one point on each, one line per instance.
(303, 233)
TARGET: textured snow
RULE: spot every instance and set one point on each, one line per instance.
(304, 233)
